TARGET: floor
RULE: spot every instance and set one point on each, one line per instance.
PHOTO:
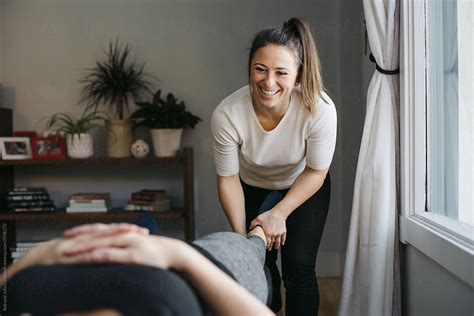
(329, 293)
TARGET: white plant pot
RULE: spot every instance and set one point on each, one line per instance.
(80, 146)
(166, 141)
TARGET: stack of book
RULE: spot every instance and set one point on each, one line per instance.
(20, 248)
(85, 202)
(29, 199)
(149, 200)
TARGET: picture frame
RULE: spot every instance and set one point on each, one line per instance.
(15, 148)
(51, 147)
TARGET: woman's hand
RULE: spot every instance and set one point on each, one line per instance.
(53, 251)
(274, 226)
(56, 251)
(128, 247)
(100, 229)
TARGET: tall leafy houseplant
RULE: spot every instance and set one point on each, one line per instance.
(166, 119)
(77, 131)
(114, 82)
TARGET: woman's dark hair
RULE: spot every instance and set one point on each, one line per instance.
(296, 36)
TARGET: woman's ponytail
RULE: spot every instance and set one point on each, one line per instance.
(310, 69)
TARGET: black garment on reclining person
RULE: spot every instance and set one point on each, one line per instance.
(131, 289)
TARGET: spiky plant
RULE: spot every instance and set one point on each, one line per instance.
(164, 113)
(114, 81)
(66, 123)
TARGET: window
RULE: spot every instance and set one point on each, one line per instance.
(437, 142)
(449, 107)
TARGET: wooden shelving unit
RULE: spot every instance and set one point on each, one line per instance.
(8, 221)
(185, 159)
(113, 215)
(91, 162)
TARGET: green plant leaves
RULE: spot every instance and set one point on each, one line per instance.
(65, 123)
(164, 113)
(115, 81)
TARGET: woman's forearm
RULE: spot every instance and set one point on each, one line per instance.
(222, 294)
(232, 200)
(9, 272)
(305, 186)
(30, 258)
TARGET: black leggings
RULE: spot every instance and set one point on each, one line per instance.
(130, 289)
(298, 256)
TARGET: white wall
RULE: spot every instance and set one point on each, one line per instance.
(198, 49)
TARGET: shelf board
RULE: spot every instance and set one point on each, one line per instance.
(90, 161)
(113, 215)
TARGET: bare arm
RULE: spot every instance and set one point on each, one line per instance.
(273, 221)
(232, 200)
(221, 293)
(305, 186)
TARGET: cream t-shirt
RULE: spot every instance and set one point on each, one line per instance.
(272, 159)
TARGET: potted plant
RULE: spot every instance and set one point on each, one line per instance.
(79, 140)
(114, 82)
(166, 119)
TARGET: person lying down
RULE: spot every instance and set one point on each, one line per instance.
(119, 269)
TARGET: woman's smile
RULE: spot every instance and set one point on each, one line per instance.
(273, 75)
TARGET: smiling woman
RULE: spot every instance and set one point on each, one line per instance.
(273, 76)
(279, 134)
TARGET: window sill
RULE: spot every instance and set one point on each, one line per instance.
(446, 241)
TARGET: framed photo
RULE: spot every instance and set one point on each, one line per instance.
(51, 147)
(15, 148)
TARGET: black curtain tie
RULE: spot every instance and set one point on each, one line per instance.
(383, 71)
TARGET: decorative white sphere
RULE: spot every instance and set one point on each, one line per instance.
(140, 149)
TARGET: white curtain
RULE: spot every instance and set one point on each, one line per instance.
(369, 287)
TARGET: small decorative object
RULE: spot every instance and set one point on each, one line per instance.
(77, 130)
(140, 149)
(166, 119)
(113, 82)
(15, 148)
(51, 147)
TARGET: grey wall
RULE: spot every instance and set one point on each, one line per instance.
(429, 289)
(198, 49)
(353, 98)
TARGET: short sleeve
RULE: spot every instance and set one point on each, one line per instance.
(226, 144)
(321, 142)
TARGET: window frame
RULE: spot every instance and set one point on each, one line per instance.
(446, 241)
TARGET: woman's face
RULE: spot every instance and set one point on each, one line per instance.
(273, 73)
